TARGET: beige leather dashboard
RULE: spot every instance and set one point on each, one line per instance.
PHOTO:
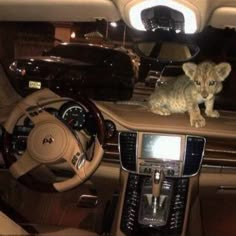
(220, 133)
(138, 118)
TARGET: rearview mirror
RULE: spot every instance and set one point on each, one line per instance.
(167, 52)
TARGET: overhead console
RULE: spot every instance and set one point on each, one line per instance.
(186, 16)
(160, 165)
(162, 17)
(157, 14)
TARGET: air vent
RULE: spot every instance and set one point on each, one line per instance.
(177, 208)
(129, 220)
(194, 154)
(127, 142)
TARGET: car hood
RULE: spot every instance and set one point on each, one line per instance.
(53, 59)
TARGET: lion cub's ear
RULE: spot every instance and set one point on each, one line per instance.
(223, 70)
(189, 69)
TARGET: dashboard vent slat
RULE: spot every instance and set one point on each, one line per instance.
(127, 142)
(194, 154)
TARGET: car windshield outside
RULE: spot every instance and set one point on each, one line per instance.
(95, 54)
(102, 62)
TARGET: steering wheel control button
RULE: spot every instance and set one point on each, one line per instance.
(47, 142)
(74, 160)
(78, 160)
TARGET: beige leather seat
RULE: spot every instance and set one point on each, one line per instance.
(9, 227)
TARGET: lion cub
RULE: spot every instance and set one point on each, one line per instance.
(199, 84)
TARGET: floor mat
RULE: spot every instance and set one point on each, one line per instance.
(53, 208)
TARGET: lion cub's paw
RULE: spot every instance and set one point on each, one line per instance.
(198, 122)
(161, 111)
(164, 112)
(213, 113)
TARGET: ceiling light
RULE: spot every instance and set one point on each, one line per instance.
(190, 19)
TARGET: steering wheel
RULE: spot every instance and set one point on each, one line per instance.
(51, 141)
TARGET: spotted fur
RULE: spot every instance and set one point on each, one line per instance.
(198, 85)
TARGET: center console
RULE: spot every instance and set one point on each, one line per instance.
(159, 167)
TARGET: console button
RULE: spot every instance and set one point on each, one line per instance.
(170, 172)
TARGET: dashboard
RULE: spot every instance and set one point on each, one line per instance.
(219, 134)
(135, 119)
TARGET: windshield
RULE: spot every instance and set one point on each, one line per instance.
(100, 61)
(92, 54)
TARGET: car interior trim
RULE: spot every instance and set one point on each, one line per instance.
(62, 11)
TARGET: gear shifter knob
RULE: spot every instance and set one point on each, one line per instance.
(157, 179)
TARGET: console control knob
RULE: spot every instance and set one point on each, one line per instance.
(170, 172)
(147, 170)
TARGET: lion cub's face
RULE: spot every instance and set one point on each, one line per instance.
(207, 77)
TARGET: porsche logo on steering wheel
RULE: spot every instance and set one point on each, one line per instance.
(48, 139)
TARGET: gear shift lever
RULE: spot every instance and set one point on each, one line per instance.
(157, 179)
(155, 199)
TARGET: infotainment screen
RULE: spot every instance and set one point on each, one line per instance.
(161, 147)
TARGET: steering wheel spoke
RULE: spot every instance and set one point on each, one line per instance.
(39, 116)
(35, 113)
(75, 157)
(23, 165)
